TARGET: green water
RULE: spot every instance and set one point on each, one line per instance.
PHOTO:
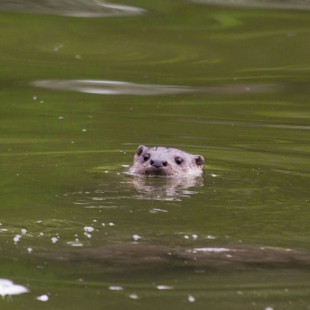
(64, 155)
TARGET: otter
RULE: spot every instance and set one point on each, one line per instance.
(162, 161)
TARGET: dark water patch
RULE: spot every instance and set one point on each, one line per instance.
(264, 4)
(74, 8)
(106, 87)
(148, 256)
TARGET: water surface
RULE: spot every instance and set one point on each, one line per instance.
(228, 83)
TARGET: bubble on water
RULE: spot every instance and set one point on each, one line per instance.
(34, 98)
(43, 298)
(116, 288)
(194, 236)
(111, 224)
(210, 237)
(8, 288)
(54, 239)
(60, 117)
(89, 229)
(16, 239)
(164, 287)
(213, 175)
(29, 250)
(23, 231)
(191, 298)
(269, 308)
(87, 235)
(84, 129)
(133, 296)
(75, 243)
(136, 237)
(186, 236)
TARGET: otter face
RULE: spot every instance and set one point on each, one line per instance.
(162, 161)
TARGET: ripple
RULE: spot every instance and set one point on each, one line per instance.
(107, 87)
(266, 4)
(248, 124)
(76, 8)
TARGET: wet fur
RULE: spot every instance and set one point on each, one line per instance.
(191, 164)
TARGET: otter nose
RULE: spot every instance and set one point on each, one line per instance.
(158, 163)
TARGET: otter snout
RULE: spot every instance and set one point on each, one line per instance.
(156, 163)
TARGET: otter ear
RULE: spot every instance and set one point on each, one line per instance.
(199, 160)
(140, 149)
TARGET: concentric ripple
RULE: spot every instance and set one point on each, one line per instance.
(266, 4)
(75, 8)
(106, 87)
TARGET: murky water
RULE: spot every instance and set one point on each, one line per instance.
(78, 95)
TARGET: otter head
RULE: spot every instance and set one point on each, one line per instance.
(164, 161)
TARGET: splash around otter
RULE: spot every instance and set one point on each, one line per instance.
(162, 161)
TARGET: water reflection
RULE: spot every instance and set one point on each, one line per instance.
(76, 8)
(268, 4)
(161, 188)
(115, 193)
(107, 87)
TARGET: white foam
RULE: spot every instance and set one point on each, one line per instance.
(136, 237)
(16, 239)
(54, 239)
(43, 298)
(191, 298)
(89, 229)
(8, 288)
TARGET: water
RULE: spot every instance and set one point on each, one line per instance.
(78, 95)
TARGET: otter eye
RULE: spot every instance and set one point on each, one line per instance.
(178, 160)
(146, 156)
